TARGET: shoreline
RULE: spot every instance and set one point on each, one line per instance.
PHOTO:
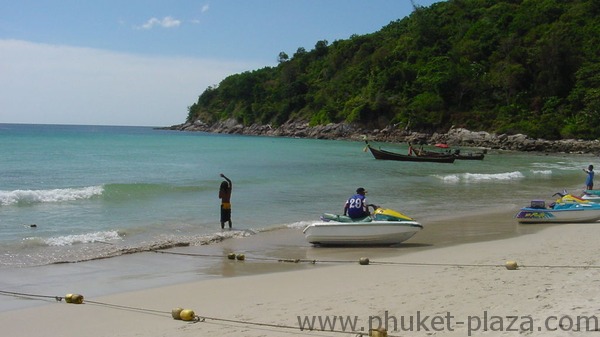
(455, 137)
(266, 252)
(557, 278)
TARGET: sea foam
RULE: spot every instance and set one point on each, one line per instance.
(48, 196)
(68, 240)
(542, 172)
(481, 177)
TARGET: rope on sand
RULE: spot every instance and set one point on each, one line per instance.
(375, 332)
(188, 315)
(508, 265)
(34, 296)
(239, 257)
(511, 265)
(381, 332)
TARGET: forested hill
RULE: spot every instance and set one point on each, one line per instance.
(529, 67)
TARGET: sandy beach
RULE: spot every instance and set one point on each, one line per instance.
(451, 290)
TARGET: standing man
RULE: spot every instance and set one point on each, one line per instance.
(225, 196)
(589, 181)
(356, 207)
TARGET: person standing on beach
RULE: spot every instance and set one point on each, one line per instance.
(356, 206)
(589, 181)
(225, 196)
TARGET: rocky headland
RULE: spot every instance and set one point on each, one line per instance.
(455, 137)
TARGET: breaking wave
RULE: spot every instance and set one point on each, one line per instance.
(109, 192)
(102, 237)
(27, 197)
(102, 245)
(481, 177)
(542, 172)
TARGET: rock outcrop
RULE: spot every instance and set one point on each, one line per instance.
(455, 137)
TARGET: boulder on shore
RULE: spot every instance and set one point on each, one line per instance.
(456, 137)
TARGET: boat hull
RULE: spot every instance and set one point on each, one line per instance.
(591, 195)
(577, 215)
(361, 233)
(387, 155)
(458, 156)
(473, 156)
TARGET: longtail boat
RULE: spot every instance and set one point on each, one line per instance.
(388, 155)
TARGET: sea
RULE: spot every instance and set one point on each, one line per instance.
(76, 193)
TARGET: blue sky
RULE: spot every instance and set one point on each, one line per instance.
(143, 62)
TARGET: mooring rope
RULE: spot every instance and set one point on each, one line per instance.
(424, 264)
(197, 318)
(254, 258)
(129, 308)
(363, 261)
(188, 254)
(18, 294)
(280, 326)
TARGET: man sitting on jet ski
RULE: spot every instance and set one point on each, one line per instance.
(356, 206)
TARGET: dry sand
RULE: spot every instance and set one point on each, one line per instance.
(450, 291)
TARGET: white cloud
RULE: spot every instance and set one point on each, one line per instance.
(166, 22)
(203, 10)
(54, 84)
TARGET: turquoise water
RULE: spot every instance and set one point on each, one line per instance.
(99, 191)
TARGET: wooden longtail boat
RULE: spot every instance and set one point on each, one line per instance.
(456, 154)
(387, 155)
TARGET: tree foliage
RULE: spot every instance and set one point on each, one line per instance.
(514, 66)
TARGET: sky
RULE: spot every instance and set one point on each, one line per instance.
(144, 62)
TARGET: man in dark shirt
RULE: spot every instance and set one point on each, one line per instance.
(356, 206)
(225, 196)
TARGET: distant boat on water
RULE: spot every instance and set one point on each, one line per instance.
(456, 153)
(388, 155)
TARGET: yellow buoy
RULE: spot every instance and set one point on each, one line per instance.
(241, 257)
(231, 256)
(68, 298)
(176, 313)
(381, 332)
(187, 315)
(76, 299)
(363, 261)
(511, 265)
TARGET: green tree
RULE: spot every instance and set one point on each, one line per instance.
(515, 66)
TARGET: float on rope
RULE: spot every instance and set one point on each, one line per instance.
(183, 314)
(511, 265)
(74, 298)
